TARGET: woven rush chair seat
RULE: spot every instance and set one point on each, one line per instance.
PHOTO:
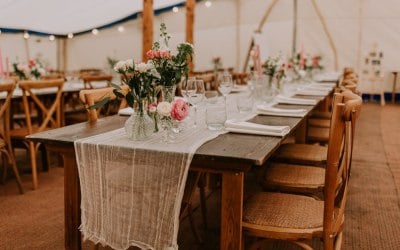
(300, 216)
(294, 178)
(303, 154)
(319, 122)
(317, 134)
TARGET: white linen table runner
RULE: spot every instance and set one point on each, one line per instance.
(132, 191)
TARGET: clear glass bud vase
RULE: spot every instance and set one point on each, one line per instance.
(168, 93)
(140, 126)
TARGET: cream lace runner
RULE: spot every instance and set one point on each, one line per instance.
(132, 191)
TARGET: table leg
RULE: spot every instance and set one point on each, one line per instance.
(72, 202)
(301, 132)
(394, 87)
(231, 211)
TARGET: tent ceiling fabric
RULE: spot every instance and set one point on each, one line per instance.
(60, 17)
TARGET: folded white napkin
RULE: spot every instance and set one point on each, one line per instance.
(243, 127)
(240, 88)
(311, 92)
(292, 100)
(126, 111)
(267, 110)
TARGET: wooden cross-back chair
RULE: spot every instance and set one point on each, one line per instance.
(90, 97)
(297, 218)
(5, 142)
(88, 79)
(239, 78)
(300, 178)
(44, 97)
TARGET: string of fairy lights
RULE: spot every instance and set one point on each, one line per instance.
(95, 31)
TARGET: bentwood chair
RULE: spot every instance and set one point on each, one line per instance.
(6, 150)
(304, 154)
(88, 80)
(296, 178)
(90, 97)
(44, 97)
(297, 218)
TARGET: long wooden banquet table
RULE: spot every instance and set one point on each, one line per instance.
(230, 155)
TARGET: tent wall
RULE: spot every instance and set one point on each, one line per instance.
(355, 26)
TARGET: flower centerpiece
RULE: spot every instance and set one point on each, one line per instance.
(139, 94)
(274, 69)
(170, 67)
(35, 69)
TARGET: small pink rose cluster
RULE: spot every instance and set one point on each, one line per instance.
(154, 54)
(177, 110)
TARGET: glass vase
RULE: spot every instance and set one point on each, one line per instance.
(168, 93)
(140, 126)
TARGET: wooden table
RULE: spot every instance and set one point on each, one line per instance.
(230, 155)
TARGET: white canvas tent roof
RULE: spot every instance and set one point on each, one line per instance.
(60, 17)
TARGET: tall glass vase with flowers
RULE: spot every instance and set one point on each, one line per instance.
(140, 79)
(169, 66)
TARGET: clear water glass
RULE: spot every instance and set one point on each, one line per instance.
(216, 115)
(194, 93)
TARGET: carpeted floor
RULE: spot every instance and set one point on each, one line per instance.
(35, 220)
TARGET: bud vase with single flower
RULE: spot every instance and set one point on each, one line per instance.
(140, 126)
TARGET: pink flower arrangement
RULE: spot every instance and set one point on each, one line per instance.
(158, 54)
(179, 110)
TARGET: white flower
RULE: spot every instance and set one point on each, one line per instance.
(142, 67)
(120, 66)
(42, 71)
(129, 64)
(164, 108)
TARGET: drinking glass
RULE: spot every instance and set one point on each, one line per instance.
(194, 92)
(225, 84)
(216, 115)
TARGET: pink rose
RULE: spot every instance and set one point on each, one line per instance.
(165, 54)
(180, 109)
(152, 107)
(156, 54)
(150, 54)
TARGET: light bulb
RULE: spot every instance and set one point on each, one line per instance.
(95, 31)
(175, 9)
(121, 28)
(52, 37)
(70, 35)
(208, 4)
(26, 35)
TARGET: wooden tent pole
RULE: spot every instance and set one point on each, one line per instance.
(147, 31)
(190, 8)
(330, 39)
(266, 15)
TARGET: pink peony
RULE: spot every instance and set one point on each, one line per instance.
(180, 109)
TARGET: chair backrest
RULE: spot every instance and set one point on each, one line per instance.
(90, 97)
(209, 81)
(345, 111)
(49, 107)
(8, 89)
(88, 79)
(239, 78)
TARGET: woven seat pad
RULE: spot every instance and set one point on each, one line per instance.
(2, 143)
(284, 211)
(281, 174)
(304, 154)
(317, 122)
(322, 115)
(318, 134)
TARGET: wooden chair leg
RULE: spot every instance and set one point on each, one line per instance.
(32, 154)
(4, 175)
(10, 159)
(193, 224)
(203, 199)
